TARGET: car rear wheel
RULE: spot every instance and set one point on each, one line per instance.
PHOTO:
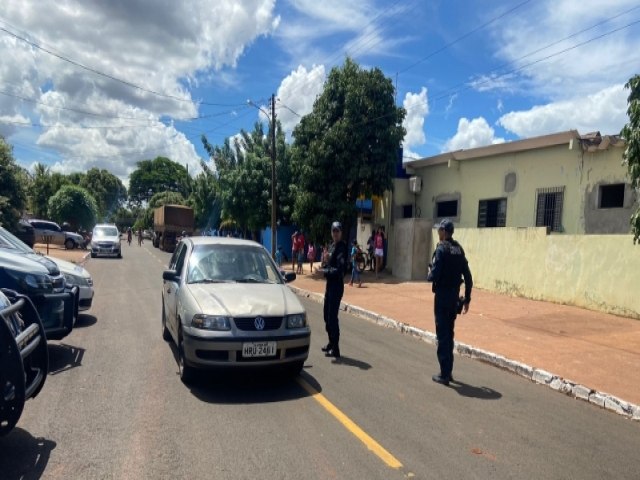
(166, 336)
(187, 373)
(69, 244)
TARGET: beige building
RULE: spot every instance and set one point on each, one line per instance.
(544, 218)
(568, 182)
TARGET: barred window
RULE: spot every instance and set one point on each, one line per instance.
(549, 208)
(492, 213)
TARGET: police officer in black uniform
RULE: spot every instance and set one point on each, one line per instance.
(334, 265)
(449, 267)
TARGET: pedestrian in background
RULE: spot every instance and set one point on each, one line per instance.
(448, 269)
(378, 245)
(355, 273)
(301, 259)
(294, 249)
(279, 255)
(334, 264)
(311, 255)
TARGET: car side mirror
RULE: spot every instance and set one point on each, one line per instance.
(289, 277)
(170, 275)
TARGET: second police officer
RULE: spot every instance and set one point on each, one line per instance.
(449, 267)
(334, 264)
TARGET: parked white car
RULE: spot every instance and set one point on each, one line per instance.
(45, 229)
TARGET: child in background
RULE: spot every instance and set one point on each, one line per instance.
(311, 255)
(300, 259)
(355, 273)
(279, 256)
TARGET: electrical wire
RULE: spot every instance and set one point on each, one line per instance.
(106, 75)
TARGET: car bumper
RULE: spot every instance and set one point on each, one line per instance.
(211, 353)
(105, 251)
(58, 312)
(86, 298)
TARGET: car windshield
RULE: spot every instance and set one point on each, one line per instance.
(105, 232)
(231, 263)
(8, 240)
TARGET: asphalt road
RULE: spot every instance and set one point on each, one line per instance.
(114, 407)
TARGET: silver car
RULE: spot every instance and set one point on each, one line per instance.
(225, 304)
(105, 240)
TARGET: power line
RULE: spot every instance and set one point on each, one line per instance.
(106, 75)
(466, 35)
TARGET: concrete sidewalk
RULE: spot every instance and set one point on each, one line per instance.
(597, 350)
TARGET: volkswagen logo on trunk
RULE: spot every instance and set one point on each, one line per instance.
(259, 323)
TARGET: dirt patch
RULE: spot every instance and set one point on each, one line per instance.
(75, 256)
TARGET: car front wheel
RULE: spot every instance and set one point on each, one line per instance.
(69, 244)
(187, 373)
(166, 336)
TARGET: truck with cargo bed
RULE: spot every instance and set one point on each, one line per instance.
(169, 221)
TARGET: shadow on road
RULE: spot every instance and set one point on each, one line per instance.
(247, 387)
(63, 357)
(351, 362)
(23, 456)
(466, 390)
(85, 320)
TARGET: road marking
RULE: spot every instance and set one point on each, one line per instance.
(350, 425)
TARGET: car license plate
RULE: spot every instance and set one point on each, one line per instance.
(259, 349)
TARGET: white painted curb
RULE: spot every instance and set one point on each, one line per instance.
(542, 377)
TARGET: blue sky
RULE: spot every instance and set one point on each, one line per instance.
(470, 73)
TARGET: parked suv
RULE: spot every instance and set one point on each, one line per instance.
(74, 275)
(105, 240)
(24, 359)
(40, 279)
(57, 236)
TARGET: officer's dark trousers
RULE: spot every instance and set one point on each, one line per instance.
(445, 313)
(332, 298)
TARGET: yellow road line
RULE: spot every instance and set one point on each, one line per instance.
(350, 425)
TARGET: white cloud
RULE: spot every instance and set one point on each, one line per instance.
(297, 93)
(307, 34)
(599, 64)
(417, 107)
(471, 134)
(161, 46)
(604, 111)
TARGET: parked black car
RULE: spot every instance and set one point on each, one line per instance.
(41, 280)
(25, 232)
(24, 359)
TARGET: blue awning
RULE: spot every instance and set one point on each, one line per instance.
(365, 205)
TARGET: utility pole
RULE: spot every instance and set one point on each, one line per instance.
(273, 176)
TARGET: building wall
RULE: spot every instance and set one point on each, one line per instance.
(598, 272)
(567, 165)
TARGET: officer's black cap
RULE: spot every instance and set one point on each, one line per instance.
(446, 225)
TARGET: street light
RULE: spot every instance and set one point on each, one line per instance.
(272, 126)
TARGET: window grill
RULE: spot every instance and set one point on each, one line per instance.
(492, 213)
(549, 208)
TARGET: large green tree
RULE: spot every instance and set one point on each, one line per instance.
(204, 199)
(243, 169)
(44, 185)
(346, 147)
(106, 188)
(12, 187)
(631, 134)
(158, 175)
(74, 205)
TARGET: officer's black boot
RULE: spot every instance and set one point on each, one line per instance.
(326, 348)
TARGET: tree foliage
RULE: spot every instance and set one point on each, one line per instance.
(45, 185)
(243, 170)
(157, 175)
(631, 156)
(346, 147)
(12, 187)
(106, 188)
(204, 199)
(74, 205)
